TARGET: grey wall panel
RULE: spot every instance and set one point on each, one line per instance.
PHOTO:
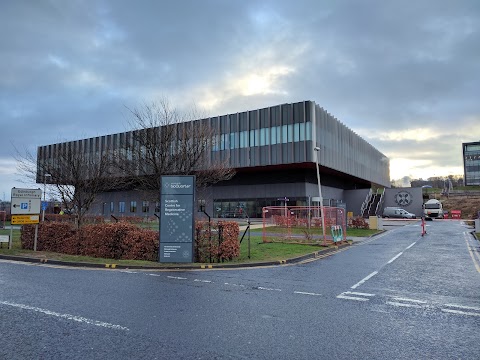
(409, 199)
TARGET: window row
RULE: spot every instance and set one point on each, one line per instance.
(110, 207)
(264, 136)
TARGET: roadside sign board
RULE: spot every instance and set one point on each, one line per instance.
(4, 239)
(176, 219)
(25, 219)
(25, 201)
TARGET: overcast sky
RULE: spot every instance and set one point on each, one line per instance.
(405, 75)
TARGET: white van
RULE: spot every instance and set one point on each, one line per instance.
(395, 212)
(433, 209)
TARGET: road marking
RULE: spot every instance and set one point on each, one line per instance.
(347, 295)
(477, 266)
(394, 303)
(153, 274)
(395, 258)
(268, 289)
(364, 279)
(358, 293)
(66, 316)
(306, 293)
(458, 312)
(463, 307)
(235, 285)
(203, 281)
(411, 245)
(177, 277)
(129, 272)
(409, 300)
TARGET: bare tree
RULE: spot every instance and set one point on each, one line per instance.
(166, 142)
(76, 176)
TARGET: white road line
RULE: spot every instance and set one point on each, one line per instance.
(268, 289)
(395, 258)
(177, 277)
(411, 245)
(341, 296)
(66, 316)
(347, 295)
(402, 304)
(153, 274)
(358, 293)
(129, 272)
(409, 300)
(203, 281)
(306, 293)
(477, 266)
(234, 285)
(463, 307)
(364, 279)
(460, 312)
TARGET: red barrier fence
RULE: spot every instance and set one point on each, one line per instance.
(303, 223)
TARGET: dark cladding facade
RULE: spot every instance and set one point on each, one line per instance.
(471, 163)
(272, 150)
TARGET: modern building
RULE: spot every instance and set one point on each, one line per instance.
(273, 152)
(471, 163)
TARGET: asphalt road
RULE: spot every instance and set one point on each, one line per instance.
(395, 296)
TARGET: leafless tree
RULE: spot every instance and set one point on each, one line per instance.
(167, 142)
(76, 176)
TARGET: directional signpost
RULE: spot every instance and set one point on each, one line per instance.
(25, 209)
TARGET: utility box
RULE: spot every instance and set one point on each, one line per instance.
(373, 222)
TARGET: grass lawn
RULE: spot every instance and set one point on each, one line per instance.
(259, 251)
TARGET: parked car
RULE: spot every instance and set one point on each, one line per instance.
(395, 212)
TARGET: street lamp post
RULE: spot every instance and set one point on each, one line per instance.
(317, 150)
(44, 194)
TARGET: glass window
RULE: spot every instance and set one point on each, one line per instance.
(290, 132)
(262, 137)
(232, 140)
(157, 206)
(243, 139)
(284, 134)
(273, 135)
(308, 131)
(112, 207)
(133, 206)
(121, 206)
(252, 137)
(296, 132)
(145, 206)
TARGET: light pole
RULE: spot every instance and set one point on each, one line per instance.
(317, 150)
(44, 194)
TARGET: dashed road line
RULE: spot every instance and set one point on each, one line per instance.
(364, 279)
(177, 277)
(358, 296)
(463, 307)
(239, 285)
(65, 316)
(268, 289)
(203, 281)
(395, 258)
(459, 312)
(306, 293)
(405, 302)
(408, 247)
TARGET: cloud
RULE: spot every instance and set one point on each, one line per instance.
(405, 77)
